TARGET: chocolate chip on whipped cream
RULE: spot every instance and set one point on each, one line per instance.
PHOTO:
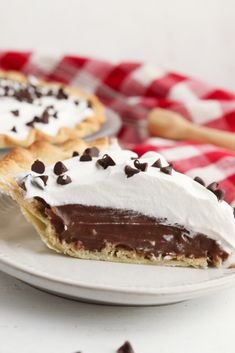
(126, 348)
(14, 129)
(106, 161)
(157, 163)
(75, 154)
(40, 181)
(38, 167)
(92, 151)
(15, 112)
(219, 193)
(85, 158)
(64, 179)
(141, 166)
(129, 171)
(59, 168)
(199, 180)
(167, 169)
(213, 186)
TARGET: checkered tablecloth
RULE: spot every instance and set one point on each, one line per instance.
(142, 87)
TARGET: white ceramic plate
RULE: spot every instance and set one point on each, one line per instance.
(24, 256)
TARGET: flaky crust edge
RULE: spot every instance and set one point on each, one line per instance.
(87, 127)
(20, 160)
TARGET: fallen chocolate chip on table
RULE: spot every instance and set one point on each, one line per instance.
(129, 171)
(64, 179)
(126, 348)
(38, 167)
(59, 168)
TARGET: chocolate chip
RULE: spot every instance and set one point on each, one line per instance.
(63, 179)
(59, 168)
(38, 167)
(15, 112)
(76, 102)
(85, 158)
(157, 164)
(129, 171)
(200, 181)
(89, 104)
(219, 193)
(40, 181)
(167, 170)
(55, 115)
(141, 166)
(75, 154)
(61, 94)
(14, 129)
(106, 161)
(126, 348)
(92, 151)
(213, 186)
(45, 117)
(44, 179)
(234, 212)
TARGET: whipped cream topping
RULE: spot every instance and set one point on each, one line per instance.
(175, 199)
(69, 111)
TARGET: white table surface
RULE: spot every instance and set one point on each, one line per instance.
(34, 321)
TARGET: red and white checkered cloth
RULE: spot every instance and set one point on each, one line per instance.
(147, 87)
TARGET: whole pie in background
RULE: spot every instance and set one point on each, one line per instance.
(33, 110)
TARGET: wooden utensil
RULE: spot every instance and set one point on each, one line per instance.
(171, 125)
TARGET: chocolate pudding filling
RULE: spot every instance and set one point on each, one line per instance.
(92, 228)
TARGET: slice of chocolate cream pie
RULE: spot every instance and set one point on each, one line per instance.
(100, 202)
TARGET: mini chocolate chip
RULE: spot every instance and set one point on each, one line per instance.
(44, 179)
(106, 161)
(200, 181)
(61, 94)
(234, 212)
(126, 348)
(219, 193)
(89, 104)
(15, 112)
(14, 129)
(129, 171)
(40, 181)
(45, 117)
(55, 115)
(63, 179)
(85, 158)
(213, 186)
(59, 168)
(76, 102)
(22, 186)
(141, 166)
(75, 154)
(38, 167)
(167, 170)
(92, 151)
(157, 164)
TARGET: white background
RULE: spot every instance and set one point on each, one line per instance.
(194, 37)
(191, 36)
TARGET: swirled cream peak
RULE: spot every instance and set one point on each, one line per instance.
(174, 198)
(46, 108)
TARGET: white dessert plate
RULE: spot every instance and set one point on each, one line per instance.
(24, 256)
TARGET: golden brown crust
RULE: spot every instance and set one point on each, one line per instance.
(88, 126)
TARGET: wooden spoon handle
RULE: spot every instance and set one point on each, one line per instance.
(209, 135)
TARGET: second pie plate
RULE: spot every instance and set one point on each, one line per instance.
(24, 256)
